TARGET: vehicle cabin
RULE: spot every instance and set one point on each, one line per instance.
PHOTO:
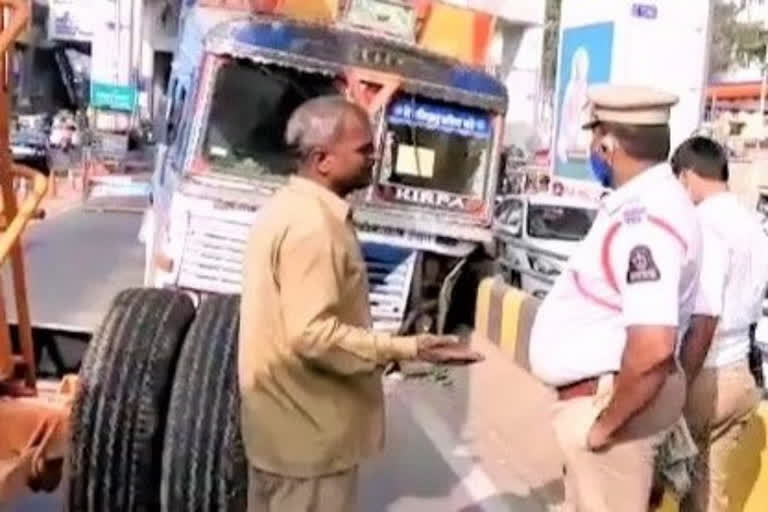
(235, 82)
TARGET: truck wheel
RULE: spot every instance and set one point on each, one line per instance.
(118, 417)
(204, 465)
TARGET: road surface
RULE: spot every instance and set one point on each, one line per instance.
(76, 263)
(476, 441)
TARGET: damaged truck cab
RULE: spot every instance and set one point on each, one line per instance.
(425, 221)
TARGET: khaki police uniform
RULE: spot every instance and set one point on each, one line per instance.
(723, 396)
(638, 265)
(309, 364)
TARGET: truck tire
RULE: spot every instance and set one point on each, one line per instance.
(204, 465)
(118, 417)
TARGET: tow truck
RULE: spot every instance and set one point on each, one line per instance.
(34, 416)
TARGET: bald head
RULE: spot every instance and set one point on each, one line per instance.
(319, 122)
(333, 140)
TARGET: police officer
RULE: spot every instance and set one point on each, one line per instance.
(722, 394)
(606, 335)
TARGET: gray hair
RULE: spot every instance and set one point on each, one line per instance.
(318, 122)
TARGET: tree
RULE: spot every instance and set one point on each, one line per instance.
(551, 42)
(733, 42)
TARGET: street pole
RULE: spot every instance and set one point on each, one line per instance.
(763, 87)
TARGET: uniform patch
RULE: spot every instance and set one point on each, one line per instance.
(642, 268)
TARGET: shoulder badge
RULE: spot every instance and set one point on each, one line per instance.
(642, 267)
(634, 214)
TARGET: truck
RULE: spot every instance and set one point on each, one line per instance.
(598, 44)
(425, 222)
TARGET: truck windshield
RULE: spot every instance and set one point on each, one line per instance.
(438, 146)
(559, 223)
(249, 109)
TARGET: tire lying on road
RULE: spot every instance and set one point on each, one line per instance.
(118, 418)
(204, 466)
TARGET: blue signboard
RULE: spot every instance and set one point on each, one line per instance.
(453, 119)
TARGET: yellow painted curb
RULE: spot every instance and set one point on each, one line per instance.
(504, 316)
(510, 320)
(747, 471)
(482, 308)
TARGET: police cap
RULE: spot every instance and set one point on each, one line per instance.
(625, 104)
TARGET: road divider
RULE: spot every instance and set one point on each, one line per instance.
(504, 316)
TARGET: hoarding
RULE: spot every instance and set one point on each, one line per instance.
(661, 44)
(585, 59)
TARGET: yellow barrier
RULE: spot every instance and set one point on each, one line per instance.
(504, 316)
(747, 471)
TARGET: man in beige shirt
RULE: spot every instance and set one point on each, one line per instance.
(309, 363)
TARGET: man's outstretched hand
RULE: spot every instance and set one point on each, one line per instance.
(446, 350)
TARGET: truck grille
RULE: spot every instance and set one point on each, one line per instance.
(390, 271)
(212, 258)
(212, 261)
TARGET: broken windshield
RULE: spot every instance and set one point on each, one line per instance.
(437, 146)
(249, 109)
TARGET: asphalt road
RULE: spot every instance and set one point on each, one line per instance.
(76, 263)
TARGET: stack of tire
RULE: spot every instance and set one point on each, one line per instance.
(155, 426)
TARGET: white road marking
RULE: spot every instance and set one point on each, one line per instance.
(474, 480)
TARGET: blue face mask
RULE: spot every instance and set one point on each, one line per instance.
(601, 169)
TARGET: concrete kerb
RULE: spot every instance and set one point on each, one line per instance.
(504, 316)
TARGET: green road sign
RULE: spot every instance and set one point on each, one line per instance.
(113, 97)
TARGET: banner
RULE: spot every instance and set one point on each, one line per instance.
(457, 120)
(585, 59)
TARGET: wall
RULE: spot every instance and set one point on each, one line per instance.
(519, 67)
(525, 12)
(157, 35)
(112, 54)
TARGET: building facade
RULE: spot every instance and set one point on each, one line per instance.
(516, 57)
(129, 46)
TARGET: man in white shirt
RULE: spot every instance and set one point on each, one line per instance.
(722, 394)
(606, 334)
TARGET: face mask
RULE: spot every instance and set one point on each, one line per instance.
(601, 169)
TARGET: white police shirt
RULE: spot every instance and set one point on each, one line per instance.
(734, 275)
(638, 265)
